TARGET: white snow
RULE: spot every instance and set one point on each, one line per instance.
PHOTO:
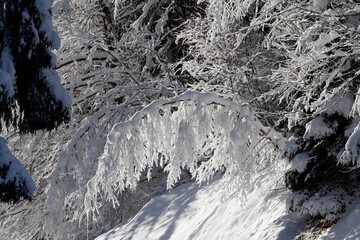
(351, 153)
(205, 212)
(335, 103)
(43, 5)
(320, 5)
(292, 146)
(7, 73)
(193, 212)
(159, 28)
(325, 38)
(46, 27)
(145, 9)
(340, 104)
(355, 111)
(53, 81)
(300, 161)
(348, 228)
(317, 128)
(294, 118)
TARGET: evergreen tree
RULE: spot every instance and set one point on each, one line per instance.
(15, 181)
(42, 101)
(31, 95)
(6, 74)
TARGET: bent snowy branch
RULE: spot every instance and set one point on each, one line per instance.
(176, 134)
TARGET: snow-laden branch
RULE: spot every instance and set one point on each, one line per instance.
(200, 132)
(15, 181)
(83, 57)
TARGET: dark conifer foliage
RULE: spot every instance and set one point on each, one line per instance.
(5, 85)
(31, 96)
(29, 36)
(10, 191)
(322, 167)
(15, 182)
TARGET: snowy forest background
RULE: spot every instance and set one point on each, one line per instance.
(191, 89)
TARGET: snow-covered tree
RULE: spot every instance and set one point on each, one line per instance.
(314, 88)
(15, 181)
(32, 97)
(110, 80)
(29, 36)
(296, 64)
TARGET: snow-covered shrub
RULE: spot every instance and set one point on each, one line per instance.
(109, 81)
(197, 132)
(316, 86)
(328, 202)
(77, 164)
(227, 53)
(296, 63)
(111, 76)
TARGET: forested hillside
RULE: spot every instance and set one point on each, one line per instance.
(170, 91)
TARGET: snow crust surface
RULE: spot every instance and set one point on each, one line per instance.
(191, 211)
(206, 212)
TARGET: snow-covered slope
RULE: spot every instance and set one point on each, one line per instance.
(207, 212)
